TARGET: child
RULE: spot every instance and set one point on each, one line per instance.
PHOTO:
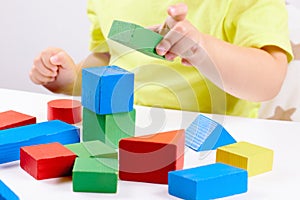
(224, 56)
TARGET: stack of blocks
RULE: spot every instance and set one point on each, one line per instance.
(108, 116)
(107, 99)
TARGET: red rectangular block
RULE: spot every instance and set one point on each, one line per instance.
(149, 158)
(11, 119)
(47, 160)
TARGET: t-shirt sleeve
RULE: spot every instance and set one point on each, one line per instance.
(97, 39)
(258, 23)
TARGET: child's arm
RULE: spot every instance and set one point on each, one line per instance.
(56, 70)
(247, 73)
(296, 51)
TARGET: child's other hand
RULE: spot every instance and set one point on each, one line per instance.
(182, 39)
(54, 69)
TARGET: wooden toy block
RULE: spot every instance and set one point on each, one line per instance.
(108, 128)
(46, 161)
(206, 134)
(136, 37)
(11, 119)
(149, 158)
(11, 140)
(95, 175)
(66, 110)
(107, 90)
(253, 158)
(93, 149)
(6, 193)
(208, 182)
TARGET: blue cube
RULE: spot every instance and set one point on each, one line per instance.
(107, 89)
(207, 182)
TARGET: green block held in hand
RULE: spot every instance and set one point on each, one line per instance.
(135, 37)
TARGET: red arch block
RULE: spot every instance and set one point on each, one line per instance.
(150, 158)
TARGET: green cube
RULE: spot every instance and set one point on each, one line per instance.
(93, 149)
(135, 37)
(95, 175)
(108, 128)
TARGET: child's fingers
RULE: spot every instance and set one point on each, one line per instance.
(38, 78)
(154, 28)
(170, 56)
(45, 58)
(62, 59)
(40, 67)
(170, 39)
(178, 12)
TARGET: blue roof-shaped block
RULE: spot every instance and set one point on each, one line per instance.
(207, 182)
(206, 134)
(11, 140)
(6, 193)
(107, 89)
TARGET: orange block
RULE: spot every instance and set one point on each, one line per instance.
(11, 119)
(66, 110)
(149, 158)
(47, 160)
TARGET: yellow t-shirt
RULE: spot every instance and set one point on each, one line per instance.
(249, 23)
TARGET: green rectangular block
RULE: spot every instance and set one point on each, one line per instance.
(108, 128)
(135, 37)
(95, 175)
(93, 149)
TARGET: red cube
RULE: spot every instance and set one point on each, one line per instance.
(46, 161)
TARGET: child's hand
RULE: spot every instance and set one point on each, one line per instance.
(182, 39)
(54, 69)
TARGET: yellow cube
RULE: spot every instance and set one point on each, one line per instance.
(253, 158)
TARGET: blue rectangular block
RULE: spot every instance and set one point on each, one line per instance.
(6, 193)
(11, 140)
(208, 182)
(107, 89)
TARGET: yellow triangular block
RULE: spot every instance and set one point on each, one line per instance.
(253, 158)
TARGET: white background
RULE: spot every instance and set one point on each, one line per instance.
(27, 27)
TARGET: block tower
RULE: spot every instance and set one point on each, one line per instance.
(107, 100)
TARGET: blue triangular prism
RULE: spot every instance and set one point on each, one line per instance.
(206, 134)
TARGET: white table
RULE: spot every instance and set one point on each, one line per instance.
(283, 182)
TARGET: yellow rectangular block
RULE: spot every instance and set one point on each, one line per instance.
(253, 158)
